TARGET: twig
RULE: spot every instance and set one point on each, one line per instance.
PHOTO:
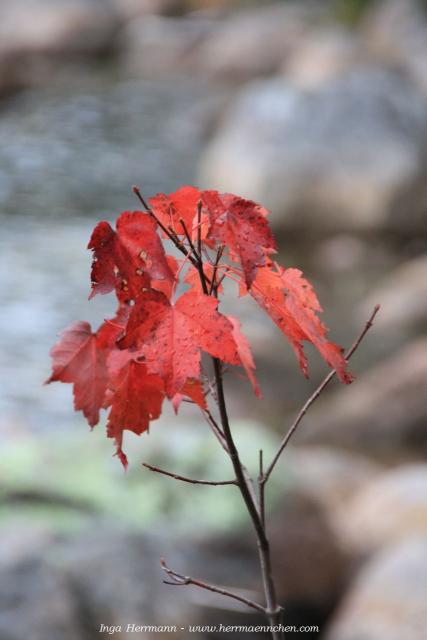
(175, 476)
(177, 579)
(261, 487)
(315, 395)
(222, 278)
(187, 235)
(215, 428)
(251, 486)
(199, 229)
(272, 610)
(218, 433)
(140, 197)
(214, 287)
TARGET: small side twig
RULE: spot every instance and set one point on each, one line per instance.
(315, 395)
(261, 487)
(214, 287)
(175, 476)
(216, 429)
(189, 240)
(199, 228)
(179, 580)
(219, 434)
(137, 192)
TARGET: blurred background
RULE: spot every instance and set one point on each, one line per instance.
(317, 109)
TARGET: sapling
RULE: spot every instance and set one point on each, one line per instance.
(151, 350)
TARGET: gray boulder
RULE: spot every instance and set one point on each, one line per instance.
(35, 27)
(130, 9)
(388, 599)
(37, 602)
(396, 32)
(349, 155)
(35, 34)
(116, 577)
(321, 55)
(309, 565)
(390, 508)
(155, 45)
(403, 297)
(63, 589)
(254, 42)
(331, 476)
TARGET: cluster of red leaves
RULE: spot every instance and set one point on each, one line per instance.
(151, 349)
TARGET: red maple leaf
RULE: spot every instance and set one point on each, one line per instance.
(291, 302)
(192, 389)
(127, 260)
(172, 208)
(135, 398)
(80, 357)
(245, 354)
(153, 347)
(242, 226)
(167, 286)
(170, 337)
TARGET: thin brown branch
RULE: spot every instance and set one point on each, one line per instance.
(214, 287)
(316, 395)
(177, 579)
(175, 476)
(261, 487)
(206, 255)
(222, 278)
(211, 387)
(251, 485)
(149, 210)
(219, 434)
(216, 429)
(174, 235)
(272, 610)
(199, 229)
(234, 455)
(189, 240)
(137, 192)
